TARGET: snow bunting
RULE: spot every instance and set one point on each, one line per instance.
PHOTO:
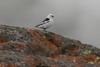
(45, 24)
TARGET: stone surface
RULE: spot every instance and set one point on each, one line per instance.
(22, 47)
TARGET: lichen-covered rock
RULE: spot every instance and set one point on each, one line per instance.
(22, 47)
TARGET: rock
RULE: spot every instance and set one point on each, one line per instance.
(22, 47)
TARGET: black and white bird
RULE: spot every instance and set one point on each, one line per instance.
(47, 23)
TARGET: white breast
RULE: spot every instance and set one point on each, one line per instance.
(49, 24)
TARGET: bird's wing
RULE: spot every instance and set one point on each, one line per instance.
(47, 19)
(43, 22)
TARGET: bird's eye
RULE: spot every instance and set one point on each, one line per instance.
(52, 16)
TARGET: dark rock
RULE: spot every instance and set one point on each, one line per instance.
(21, 47)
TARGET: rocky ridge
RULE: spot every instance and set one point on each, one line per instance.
(22, 47)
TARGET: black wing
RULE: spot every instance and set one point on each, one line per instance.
(43, 22)
(47, 19)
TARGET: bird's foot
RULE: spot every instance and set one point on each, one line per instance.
(45, 31)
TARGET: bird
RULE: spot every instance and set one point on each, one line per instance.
(46, 23)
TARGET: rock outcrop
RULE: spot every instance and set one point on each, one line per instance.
(22, 47)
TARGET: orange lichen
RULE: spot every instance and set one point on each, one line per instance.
(98, 60)
(1, 65)
(74, 54)
(71, 47)
(54, 54)
(12, 66)
(93, 55)
(52, 46)
(49, 43)
(68, 58)
(31, 46)
(78, 65)
(3, 40)
(1, 43)
(39, 62)
(32, 31)
(57, 39)
(36, 37)
(92, 60)
(52, 65)
(90, 57)
(33, 65)
(28, 60)
(57, 57)
(20, 46)
(75, 49)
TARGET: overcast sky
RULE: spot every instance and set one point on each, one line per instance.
(76, 19)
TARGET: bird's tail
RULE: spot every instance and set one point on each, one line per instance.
(36, 25)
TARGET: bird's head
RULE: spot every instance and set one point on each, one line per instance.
(50, 16)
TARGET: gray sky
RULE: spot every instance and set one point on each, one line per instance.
(76, 19)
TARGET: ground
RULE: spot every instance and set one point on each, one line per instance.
(23, 47)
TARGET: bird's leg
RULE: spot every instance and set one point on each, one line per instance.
(44, 29)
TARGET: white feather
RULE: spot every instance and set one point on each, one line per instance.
(46, 24)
